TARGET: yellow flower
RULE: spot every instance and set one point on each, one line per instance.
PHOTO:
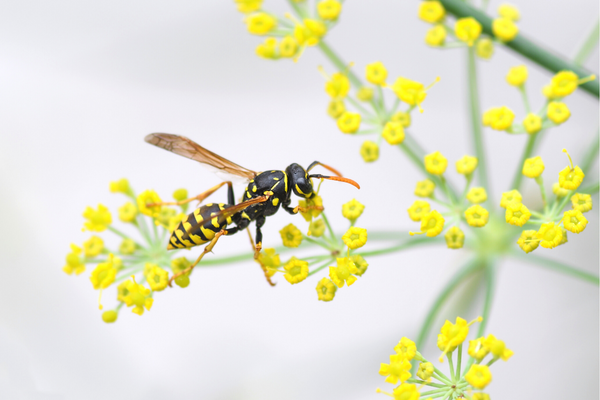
(499, 118)
(509, 11)
(349, 122)
(484, 47)
(352, 210)
(558, 112)
(517, 75)
(451, 335)
(369, 151)
(397, 369)
(505, 29)
(558, 191)
(326, 290)
(180, 264)
(310, 32)
(570, 178)
(497, 348)
(120, 186)
(517, 214)
(418, 209)
(411, 92)
(336, 108)
(550, 235)
(528, 241)
(164, 217)
(109, 316)
(479, 376)
(477, 216)
(477, 349)
(574, 221)
(431, 11)
(343, 272)
(564, 83)
(436, 36)
(261, 23)
(127, 247)
(480, 396)
(424, 188)
(180, 194)
(466, 165)
(393, 133)
(268, 49)
(158, 278)
(455, 238)
(477, 195)
(291, 236)
(74, 263)
(406, 348)
(509, 197)
(127, 212)
(175, 220)
(402, 117)
(436, 163)
(467, 30)
(104, 274)
(288, 47)
(581, 202)
(97, 220)
(432, 224)
(149, 197)
(270, 259)
(248, 6)
(137, 295)
(329, 9)
(296, 270)
(425, 370)
(406, 391)
(533, 167)
(365, 94)
(337, 86)
(316, 201)
(316, 228)
(355, 237)
(360, 263)
(532, 123)
(376, 73)
(93, 246)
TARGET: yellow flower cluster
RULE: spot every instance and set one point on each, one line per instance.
(288, 39)
(462, 383)
(555, 112)
(390, 124)
(553, 226)
(347, 268)
(432, 221)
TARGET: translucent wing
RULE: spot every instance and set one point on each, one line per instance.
(229, 211)
(190, 149)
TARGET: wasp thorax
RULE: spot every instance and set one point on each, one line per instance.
(299, 180)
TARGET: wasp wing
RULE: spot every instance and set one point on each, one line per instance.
(192, 150)
(229, 211)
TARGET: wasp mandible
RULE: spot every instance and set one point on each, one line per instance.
(265, 193)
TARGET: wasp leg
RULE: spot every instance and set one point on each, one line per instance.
(305, 209)
(200, 197)
(207, 249)
(256, 253)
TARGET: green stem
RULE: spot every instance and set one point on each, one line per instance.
(518, 179)
(522, 45)
(456, 280)
(339, 64)
(451, 366)
(591, 155)
(458, 362)
(525, 98)
(557, 266)
(320, 267)
(588, 45)
(124, 236)
(419, 241)
(331, 232)
(476, 128)
(592, 189)
(420, 382)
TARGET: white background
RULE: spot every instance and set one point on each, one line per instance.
(81, 84)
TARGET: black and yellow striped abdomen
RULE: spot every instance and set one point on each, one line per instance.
(199, 227)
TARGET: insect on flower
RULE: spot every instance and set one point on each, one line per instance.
(264, 193)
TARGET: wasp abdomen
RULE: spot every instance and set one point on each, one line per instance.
(199, 227)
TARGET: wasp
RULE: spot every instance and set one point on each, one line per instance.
(265, 193)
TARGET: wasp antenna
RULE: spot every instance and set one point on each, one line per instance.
(336, 178)
(327, 167)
